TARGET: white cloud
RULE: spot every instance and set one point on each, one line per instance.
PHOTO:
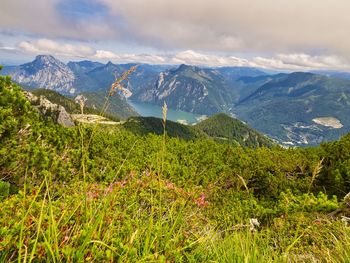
(43, 18)
(307, 61)
(269, 26)
(238, 25)
(103, 55)
(194, 58)
(7, 48)
(108, 55)
(301, 61)
(290, 62)
(46, 46)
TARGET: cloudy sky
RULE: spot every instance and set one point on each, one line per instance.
(272, 34)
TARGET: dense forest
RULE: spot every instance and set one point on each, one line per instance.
(110, 194)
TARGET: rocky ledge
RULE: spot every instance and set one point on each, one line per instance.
(57, 112)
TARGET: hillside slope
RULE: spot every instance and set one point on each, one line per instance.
(223, 128)
(146, 125)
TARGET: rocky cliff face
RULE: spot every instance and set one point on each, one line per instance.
(57, 112)
(45, 72)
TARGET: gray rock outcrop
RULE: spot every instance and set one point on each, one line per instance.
(57, 112)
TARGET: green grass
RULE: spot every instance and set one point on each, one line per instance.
(127, 221)
(90, 194)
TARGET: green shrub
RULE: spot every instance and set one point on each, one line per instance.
(4, 189)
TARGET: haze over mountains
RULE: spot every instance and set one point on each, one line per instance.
(296, 109)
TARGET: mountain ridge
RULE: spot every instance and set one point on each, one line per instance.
(283, 105)
(285, 108)
(45, 71)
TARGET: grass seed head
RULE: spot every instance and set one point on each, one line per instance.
(117, 84)
(165, 112)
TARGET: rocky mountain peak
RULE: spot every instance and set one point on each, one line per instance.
(184, 67)
(110, 64)
(46, 59)
(47, 72)
(47, 62)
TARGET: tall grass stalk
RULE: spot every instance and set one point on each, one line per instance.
(23, 221)
(315, 173)
(160, 175)
(116, 85)
(38, 231)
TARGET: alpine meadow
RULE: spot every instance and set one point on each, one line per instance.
(186, 131)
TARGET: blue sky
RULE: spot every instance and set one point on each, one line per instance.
(272, 34)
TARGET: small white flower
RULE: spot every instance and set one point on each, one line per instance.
(254, 224)
(345, 220)
(81, 99)
(347, 199)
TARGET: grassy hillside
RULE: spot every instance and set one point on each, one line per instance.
(223, 128)
(146, 125)
(90, 194)
(220, 128)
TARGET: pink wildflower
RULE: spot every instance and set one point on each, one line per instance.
(201, 201)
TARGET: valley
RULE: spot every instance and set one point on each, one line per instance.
(153, 110)
(288, 107)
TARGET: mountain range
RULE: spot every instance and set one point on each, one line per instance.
(299, 108)
(44, 72)
(219, 127)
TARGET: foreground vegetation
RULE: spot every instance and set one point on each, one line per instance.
(96, 194)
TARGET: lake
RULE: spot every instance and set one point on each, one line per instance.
(152, 110)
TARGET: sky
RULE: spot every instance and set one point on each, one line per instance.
(287, 35)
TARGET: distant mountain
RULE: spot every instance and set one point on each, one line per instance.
(44, 72)
(333, 73)
(83, 76)
(224, 128)
(234, 73)
(191, 89)
(299, 108)
(187, 88)
(103, 76)
(83, 67)
(144, 78)
(97, 77)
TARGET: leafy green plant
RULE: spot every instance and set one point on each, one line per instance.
(4, 189)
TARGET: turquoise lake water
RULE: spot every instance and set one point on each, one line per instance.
(151, 110)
